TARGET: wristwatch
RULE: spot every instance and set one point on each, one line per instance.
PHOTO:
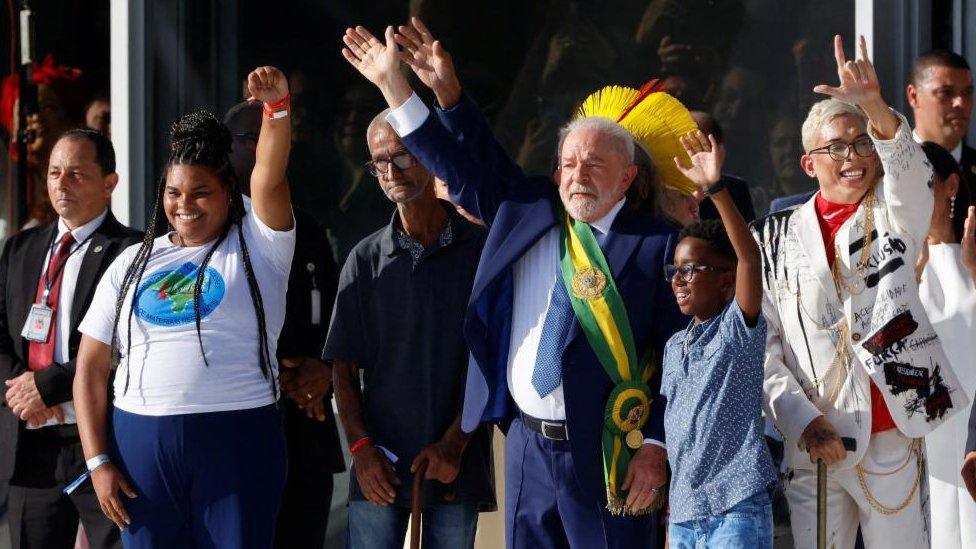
(714, 188)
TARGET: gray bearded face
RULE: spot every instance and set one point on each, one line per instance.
(592, 174)
(586, 202)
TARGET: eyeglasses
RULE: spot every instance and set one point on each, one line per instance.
(402, 161)
(862, 146)
(687, 271)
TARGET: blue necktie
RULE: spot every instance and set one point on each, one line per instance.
(548, 361)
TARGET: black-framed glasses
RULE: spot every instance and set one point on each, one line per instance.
(403, 161)
(862, 146)
(687, 271)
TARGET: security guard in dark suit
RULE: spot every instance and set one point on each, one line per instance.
(48, 276)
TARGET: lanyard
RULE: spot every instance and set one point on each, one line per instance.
(48, 279)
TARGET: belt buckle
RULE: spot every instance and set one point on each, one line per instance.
(554, 426)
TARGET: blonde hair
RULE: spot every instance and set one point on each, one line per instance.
(821, 113)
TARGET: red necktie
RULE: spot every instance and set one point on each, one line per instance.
(40, 355)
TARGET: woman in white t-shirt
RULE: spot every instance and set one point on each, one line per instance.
(949, 296)
(193, 454)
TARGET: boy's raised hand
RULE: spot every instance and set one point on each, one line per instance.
(706, 156)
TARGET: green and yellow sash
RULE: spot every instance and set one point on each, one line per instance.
(603, 318)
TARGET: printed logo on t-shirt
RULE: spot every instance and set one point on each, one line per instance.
(166, 297)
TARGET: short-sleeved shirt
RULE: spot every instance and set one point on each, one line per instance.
(713, 380)
(399, 316)
(164, 366)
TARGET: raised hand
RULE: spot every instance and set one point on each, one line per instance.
(376, 60)
(267, 84)
(429, 61)
(379, 62)
(706, 158)
(858, 79)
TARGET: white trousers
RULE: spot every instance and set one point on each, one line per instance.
(848, 506)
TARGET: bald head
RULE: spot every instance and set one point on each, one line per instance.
(379, 125)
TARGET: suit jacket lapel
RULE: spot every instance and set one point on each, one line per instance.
(33, 260)
(808, 234)
(536, 221)
(90, 267)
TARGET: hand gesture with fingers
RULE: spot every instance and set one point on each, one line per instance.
(706, 158)
(267, 84)
(379, 62)
(858, 79)
(429, 61)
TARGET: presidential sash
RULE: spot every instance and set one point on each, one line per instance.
(603, 318)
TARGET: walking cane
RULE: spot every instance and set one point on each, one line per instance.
(416, 507)
(850, 445)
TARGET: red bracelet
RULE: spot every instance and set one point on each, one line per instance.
(283, 102)
(278, 109)
(358, 445)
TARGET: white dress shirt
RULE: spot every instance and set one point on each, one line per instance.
(69, 278)
(534, 276)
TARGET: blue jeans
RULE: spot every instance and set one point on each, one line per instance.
(747, 525)
(448, 526)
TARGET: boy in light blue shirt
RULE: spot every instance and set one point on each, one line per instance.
(713, 375)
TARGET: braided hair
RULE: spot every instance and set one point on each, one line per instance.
(197, 139)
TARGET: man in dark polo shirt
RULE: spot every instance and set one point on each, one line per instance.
(398, 317)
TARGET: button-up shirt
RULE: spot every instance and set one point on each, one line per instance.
(713, 380)
(72, 266)
(534, 276)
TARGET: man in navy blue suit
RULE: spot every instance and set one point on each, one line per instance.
(532, 371)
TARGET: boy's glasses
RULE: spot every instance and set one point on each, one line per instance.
(687, 271)
(839, 151)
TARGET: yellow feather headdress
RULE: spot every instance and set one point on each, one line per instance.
(655, 119)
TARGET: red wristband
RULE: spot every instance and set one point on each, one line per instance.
(358, 445)
(278, 109)
(277, 105)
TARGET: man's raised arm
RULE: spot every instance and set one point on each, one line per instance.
(434, 67)
(906, 171)
(475, 186)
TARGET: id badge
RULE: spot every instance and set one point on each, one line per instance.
(316, 307)
(38, 325)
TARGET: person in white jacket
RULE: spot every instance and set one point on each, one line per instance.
(948, 294)
(850, 350)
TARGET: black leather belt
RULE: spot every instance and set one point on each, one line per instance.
(550, 429)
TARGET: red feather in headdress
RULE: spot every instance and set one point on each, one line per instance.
(653, 85)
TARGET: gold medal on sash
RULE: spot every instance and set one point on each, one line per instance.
(635, 439)
(588, 283)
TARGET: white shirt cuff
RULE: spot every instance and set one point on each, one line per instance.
(409, 116)
(655, 443)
